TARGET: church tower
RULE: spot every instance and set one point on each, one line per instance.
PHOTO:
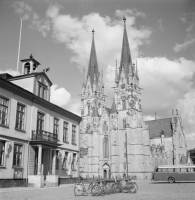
(130, 139)
(113, 141)
(92, 105)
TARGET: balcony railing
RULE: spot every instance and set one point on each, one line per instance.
(44, 136)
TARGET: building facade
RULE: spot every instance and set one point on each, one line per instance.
(167, 141)
(39, 141)
(117, 141)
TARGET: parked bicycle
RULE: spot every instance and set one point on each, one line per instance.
(126, 187)
(80, 189)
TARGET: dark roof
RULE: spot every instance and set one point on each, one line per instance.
(160, 126)
(5, 76)
(32, 97)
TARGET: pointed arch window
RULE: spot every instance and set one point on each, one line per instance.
(124, 104)
(105, 148)
(105, 126)
(124, 123)
(88, 109)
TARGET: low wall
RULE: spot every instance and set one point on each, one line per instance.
(13, 183)
(68, 180)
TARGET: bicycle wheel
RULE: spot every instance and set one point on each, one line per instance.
(96, 190)
(132, 188)
(78, 190)
(116, 188)
(90, 187)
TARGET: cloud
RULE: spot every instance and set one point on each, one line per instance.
(190, 136)
(160, 25)
(75, 106)
(185, 45)
(189, 40)
(186, 107)
(11, 72)
(164, 81)
(23, 9)
(75, 32)
(59, 96)
(26, 12)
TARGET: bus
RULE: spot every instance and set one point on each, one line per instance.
(174, 173)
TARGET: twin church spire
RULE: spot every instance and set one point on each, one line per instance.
(126, 66)
(93, 72)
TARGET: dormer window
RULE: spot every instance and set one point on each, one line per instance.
(27, 68)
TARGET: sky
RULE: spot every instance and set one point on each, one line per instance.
(58, 33)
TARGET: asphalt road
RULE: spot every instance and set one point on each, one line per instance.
(147, 190)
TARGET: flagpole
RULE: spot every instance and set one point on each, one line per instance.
(19, 44)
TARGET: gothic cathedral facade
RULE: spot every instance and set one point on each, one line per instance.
(114, 141)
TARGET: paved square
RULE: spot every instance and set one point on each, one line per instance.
(147, 190)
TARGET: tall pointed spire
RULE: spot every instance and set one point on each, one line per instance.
(83, 76)
(126, 62)
(137, 71)
(93, 65)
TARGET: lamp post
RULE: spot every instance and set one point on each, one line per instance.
(126, 152)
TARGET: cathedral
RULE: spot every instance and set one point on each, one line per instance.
(117, 141)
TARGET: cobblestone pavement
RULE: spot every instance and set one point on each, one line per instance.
(147, 190)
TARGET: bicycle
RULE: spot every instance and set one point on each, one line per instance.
(129, 186)
(80, 190)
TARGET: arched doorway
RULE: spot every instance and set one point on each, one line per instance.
(106, 173)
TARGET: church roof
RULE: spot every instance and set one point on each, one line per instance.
(159, 126)
(126, 62)
(93, 71)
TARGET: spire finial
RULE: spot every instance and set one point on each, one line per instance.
(93, 31)
(177, 112)
(173, 112)
(31, 56)
(124, 19)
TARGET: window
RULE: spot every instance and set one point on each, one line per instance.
(56, 126)
(65, 160)
(105, 148)
(20, 117)
(73, 134)
(124, 104)
(2, 152)
(3, 111)
(17, 162)
(88, 109)
(27, 68)
(73, 162)
(40, 122)
(124, 123)
(105, 126)
(42, 91)
(65, 132)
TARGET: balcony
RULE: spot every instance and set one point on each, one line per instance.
(44, 136)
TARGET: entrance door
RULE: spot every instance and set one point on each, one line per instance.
(105, 173)
(36, 162)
